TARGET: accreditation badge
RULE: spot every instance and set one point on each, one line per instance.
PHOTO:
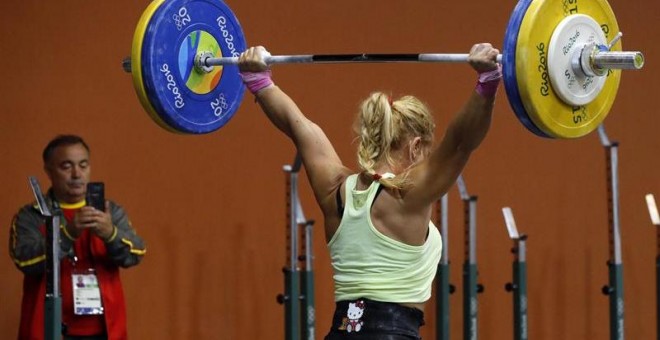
(86, 294)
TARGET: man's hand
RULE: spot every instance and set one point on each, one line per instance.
(99, 222)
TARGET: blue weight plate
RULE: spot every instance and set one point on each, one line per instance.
(509, 67)
(186, 100)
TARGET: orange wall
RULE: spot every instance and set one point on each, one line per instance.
(212, 207)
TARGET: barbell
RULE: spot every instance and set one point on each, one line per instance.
(561, 63)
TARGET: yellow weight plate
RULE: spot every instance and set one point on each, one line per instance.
(136, 63)
(547, 110)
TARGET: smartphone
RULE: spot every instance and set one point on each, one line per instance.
(95, 196)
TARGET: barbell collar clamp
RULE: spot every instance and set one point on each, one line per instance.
(616, 39)
(582, 62)
(201, 65)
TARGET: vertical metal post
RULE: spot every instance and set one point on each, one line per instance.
(291, 295)
(53, 303)
(470, 285)
(308, 314)
(298, 298)
(519, 284)
(657, 283)
(615, 265)
(443, 287)
(655, 219)
(53, 299)
(520, 293)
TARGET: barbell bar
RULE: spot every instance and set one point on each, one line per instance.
(347, 58)
(560, 73)
(600, 60)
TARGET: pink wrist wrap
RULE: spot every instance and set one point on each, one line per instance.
(489, 82)
(256, 81)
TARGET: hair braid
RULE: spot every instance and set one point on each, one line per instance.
(382, 126)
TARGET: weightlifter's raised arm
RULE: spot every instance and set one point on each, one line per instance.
(464, 133)
(322, 164)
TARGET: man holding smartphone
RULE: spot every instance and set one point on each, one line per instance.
(94, 243)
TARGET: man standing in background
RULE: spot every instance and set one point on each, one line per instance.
(94, 244)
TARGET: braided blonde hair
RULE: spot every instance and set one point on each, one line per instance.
(383, 125)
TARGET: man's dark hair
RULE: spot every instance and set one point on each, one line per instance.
(61, 140)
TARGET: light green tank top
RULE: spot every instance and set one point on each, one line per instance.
(368, 264)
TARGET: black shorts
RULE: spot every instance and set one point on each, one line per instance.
(365, 319)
